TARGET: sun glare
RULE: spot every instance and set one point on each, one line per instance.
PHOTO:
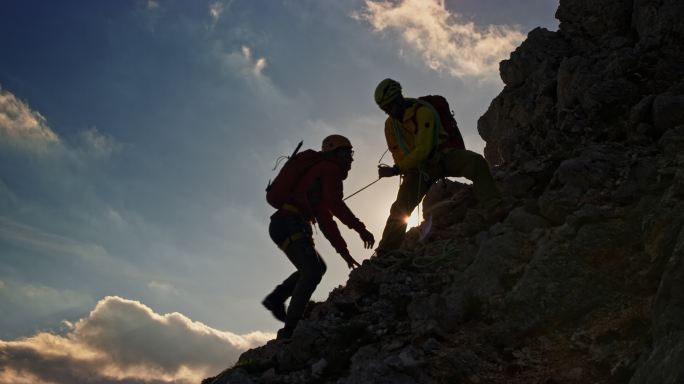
(412, 220)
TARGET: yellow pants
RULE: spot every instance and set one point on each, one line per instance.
(449, 163)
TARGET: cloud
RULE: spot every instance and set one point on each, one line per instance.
(124, 341)
(40, 298)
(27, 307)
(161, 287)
(259, 65)
(22, 127)
(37, 240)
(150, 12)
(25, 129)
(246, 60)
(7, 197)
(215, 11)
(64, 253)
(249, 69)
(97, 144)
(445, 41)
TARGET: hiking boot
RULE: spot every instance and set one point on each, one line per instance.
(277, 308)
(284, 333)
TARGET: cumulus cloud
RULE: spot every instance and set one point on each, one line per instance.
(124, 341)
(444, 39)
(22, 127)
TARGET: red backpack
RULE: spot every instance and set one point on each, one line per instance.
(446, 117)
(279, 191)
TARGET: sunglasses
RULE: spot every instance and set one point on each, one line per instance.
(347, 151)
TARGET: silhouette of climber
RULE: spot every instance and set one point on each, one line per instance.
(317, 196)
(422, 156)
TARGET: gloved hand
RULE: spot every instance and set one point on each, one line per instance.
(351, 263)
(385, 171)
(367, 238)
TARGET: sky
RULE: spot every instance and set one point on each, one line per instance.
(136, 140)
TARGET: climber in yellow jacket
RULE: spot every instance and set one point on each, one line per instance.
(423, 153)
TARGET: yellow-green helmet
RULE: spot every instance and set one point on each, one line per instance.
(386, 92)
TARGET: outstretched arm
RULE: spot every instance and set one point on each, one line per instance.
(332, 203)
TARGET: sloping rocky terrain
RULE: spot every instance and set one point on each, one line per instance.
(578, 277)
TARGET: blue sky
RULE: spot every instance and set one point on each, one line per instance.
(136, 138)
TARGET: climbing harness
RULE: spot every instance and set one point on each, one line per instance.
(291, 239)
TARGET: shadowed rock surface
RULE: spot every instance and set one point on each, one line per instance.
(578, 276)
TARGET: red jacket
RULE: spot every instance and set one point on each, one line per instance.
(318, 196)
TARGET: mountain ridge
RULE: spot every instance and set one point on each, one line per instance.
(578, 276)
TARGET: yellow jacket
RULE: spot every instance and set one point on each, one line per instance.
(417, 129)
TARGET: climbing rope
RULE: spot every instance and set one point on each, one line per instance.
(360, 190)
(380, 163)
(383, 155)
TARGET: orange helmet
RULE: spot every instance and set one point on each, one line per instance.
(333, 142)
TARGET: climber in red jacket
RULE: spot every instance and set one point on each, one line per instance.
(316, 197)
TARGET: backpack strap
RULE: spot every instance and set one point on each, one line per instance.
(399, 136)
(437, 128)
(438, 123)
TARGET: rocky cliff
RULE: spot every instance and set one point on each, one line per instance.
(579, 277)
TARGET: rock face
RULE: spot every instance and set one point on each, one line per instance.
(612, 73)
(578, 275)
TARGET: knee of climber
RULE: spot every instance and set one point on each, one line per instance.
(482, 163)
(318, 273)
(399, 210)
(313, 275)
(308, 283)
(475, 166)
(318, 277)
